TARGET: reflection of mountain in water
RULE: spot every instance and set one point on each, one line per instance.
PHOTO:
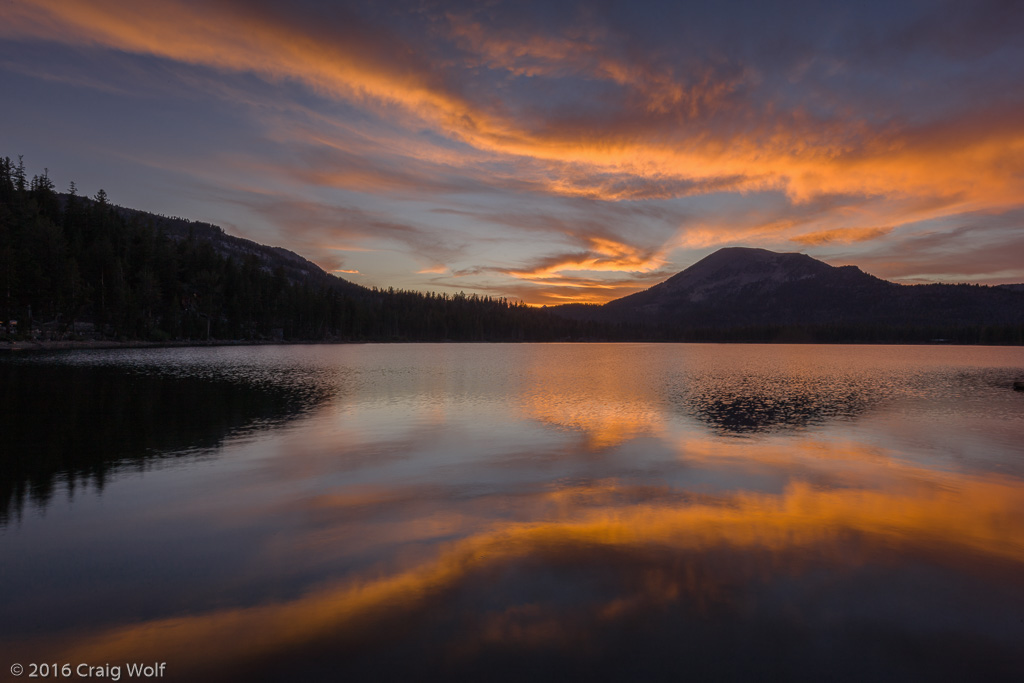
(75, 423)
(771, 404)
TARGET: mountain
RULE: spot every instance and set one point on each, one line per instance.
(740, 287)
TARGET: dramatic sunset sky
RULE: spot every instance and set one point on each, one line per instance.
(552, 152)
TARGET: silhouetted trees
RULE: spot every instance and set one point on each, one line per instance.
(70, 265)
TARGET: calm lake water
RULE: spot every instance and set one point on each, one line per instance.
(510, 512)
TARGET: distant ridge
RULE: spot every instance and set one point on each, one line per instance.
(295, 267)
(743, 287)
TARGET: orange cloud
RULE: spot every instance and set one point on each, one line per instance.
(831, 219)
(974, 160)
(557, 291)
(605, 255)
(587, 53)
(841, 236)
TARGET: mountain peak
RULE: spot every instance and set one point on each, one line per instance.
(731, 268)
(752, 256)
(746, 252)
(751, 286)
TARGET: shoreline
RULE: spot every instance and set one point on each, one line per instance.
(26, 346)
(35, 346)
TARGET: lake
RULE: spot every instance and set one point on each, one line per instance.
(509, 512)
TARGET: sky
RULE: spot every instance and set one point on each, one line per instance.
(549, 152)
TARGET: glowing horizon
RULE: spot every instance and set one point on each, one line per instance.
(548, 154)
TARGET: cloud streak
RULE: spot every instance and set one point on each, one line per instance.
(975, 157)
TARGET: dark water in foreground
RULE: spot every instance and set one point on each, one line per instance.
(501, 512)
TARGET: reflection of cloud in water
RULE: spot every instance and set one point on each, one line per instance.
(606, 405)
(604, 421)
(604, 561)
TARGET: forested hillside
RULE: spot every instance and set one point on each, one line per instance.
(74, 267)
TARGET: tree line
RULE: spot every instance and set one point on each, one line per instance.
(74, 266)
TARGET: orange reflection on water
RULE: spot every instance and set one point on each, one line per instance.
(601, 403)
(668, 546)
(841, 462)
(602, 425)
